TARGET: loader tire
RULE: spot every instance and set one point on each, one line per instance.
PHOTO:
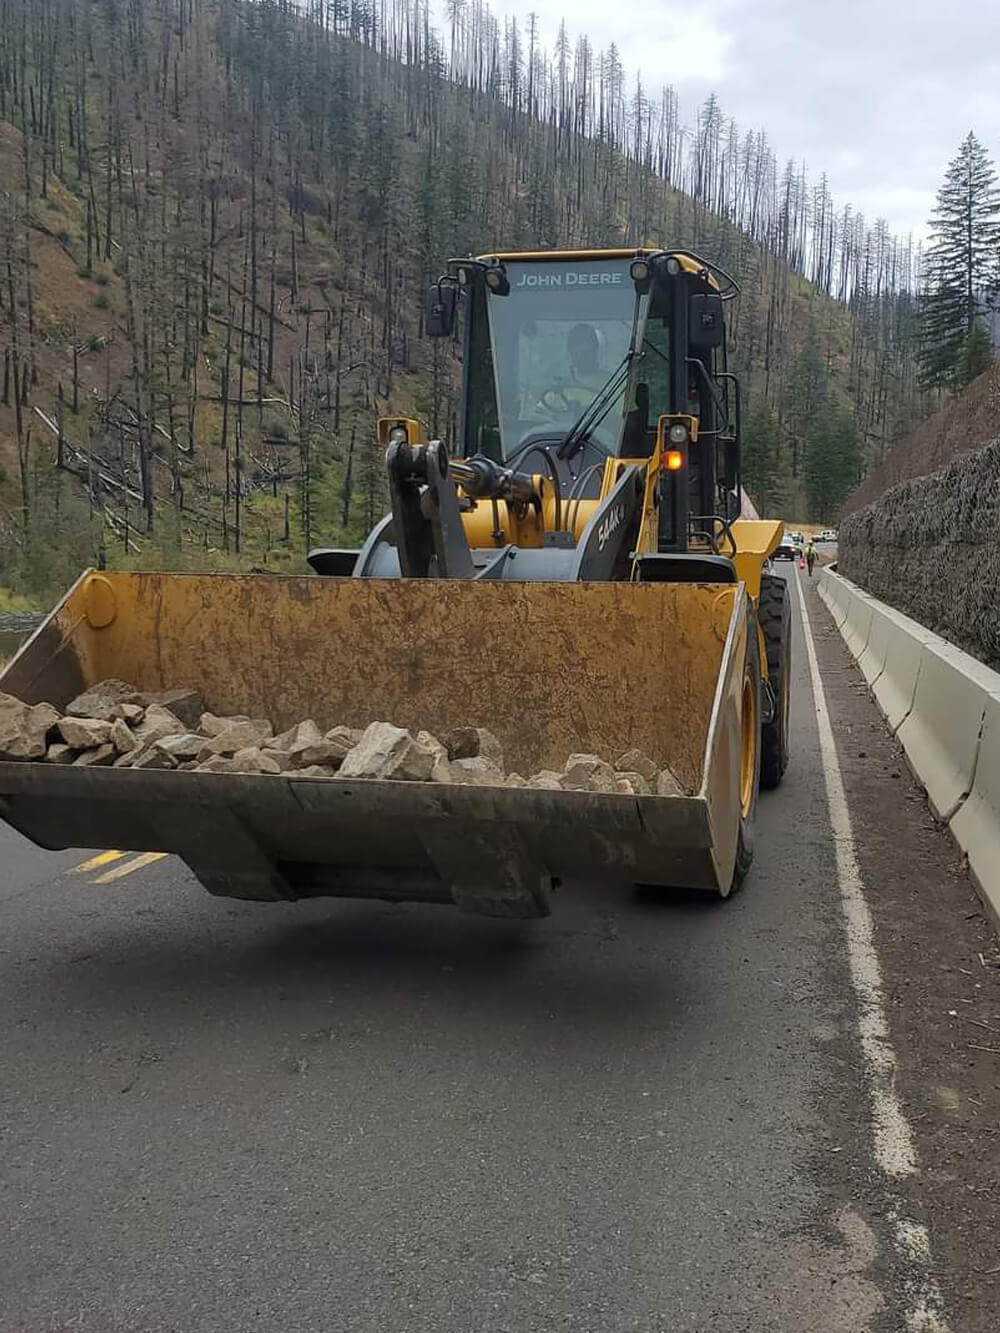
(750, 769)
(775, 616)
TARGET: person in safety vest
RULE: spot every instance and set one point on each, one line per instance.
(810, 556)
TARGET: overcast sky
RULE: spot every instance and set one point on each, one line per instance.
(877, 93)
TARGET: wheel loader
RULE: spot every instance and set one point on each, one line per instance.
(574, 574)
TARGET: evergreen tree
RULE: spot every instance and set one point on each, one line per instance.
(963, 264)
(833, 461)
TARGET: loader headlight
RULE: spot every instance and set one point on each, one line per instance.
(678, 434)
(398, 435)
(496, 281)
(673, 266)
(639, 269)
(673, 460)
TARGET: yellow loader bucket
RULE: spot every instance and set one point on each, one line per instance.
(550, 668)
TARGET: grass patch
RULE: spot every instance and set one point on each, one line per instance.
(14, 601)
(103, 301)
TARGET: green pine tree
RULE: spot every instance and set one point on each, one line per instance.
(977, 354)
(833, 461)
(963, 264)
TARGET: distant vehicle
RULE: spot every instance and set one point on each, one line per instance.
(828, 535)
(796, 538)
(786, 550)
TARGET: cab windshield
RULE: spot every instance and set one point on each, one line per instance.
(540, 355)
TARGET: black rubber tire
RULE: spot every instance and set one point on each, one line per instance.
(745, 837)
(775, 615)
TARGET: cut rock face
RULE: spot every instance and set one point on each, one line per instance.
(388, 752)
(24, 729)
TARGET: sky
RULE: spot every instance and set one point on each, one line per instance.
(879, 94)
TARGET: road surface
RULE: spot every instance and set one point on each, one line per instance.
(351, 1118)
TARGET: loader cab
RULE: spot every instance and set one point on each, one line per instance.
(594, 349)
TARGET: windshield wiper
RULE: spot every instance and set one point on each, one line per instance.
(596, 409)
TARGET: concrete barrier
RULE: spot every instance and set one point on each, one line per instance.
(872, 659)
(944, 707)
(941, 733)
(858, 621)
(896, 685)
(890, 657)
(976, 824)
(838, 598)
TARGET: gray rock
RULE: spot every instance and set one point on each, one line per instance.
(60, 754)
(586, 772)
(328, 754)
(182, 747)
(24, 728)
(280, 757)
(253, 760)
(298, 737)
(546, 780)
(477, 771)
(473, 743)
(211, 725)
(154, 757)
(634, 784)
(85, 733)
(188, 766)
(102, 757)
(342, 740)
(186, 705)
(442, 770)
(431, 742)
(157, 723)
(102, 699)
(385, 751)
(127, 760)
(240, 736)
(318, 771)
(634, 761)
(217, 763)
(667, 784)
(122, 737)
(129, 713)
(514, 780)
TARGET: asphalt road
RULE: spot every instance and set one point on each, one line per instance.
(378, 1119)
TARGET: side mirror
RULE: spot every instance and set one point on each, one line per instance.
(706, 327)
(439, 310)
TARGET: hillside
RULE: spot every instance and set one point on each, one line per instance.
(961, 425)
(221, 220)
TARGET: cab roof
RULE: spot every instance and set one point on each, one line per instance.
(688, 262)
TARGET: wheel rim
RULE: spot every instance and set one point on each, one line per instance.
(750, 733)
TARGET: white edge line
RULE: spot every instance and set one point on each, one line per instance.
(895, 1152)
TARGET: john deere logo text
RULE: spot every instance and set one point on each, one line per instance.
(570, 278)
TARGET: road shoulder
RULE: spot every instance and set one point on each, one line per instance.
(941, 972)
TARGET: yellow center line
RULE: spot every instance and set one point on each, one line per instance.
(96, 862)
(138, 863)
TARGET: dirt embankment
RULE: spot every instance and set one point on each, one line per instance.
(931, 547)
(962, 425)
